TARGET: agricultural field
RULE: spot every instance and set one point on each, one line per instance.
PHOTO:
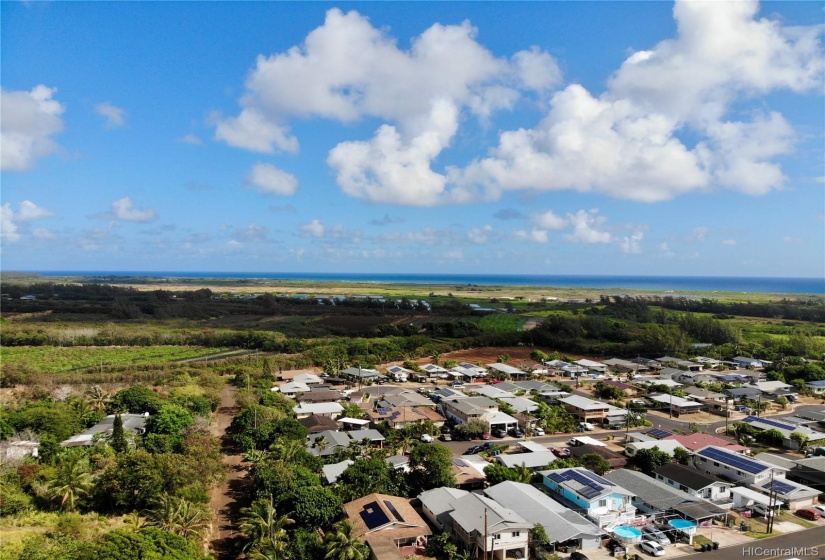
(56, 359)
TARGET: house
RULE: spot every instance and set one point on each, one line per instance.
(361, 374)
(670, 373)
(563, 527)
(319, 396)
(491, 392)
(529, 385)
(403, 416)
(507, 372)
(695, 442)
(702, 394)
(745, 362)
(616, 460)
(481, 408)
(433, 370)
(291, 388)
(566, 369)
(649, 495)
(786, 429)
(532, 460)
(404, 397)
(669, 383)
(695, 482)
(465, 371)
(308, 379)
(816, 387)
(132, 423)
(316, 424)
(680, 363)
(323, 444)
(677, 405)
(333, 409)
(11, 451)
(468, 471)
(520, 404)
(331, 473)
(741, 394)
(625, 366)
(400, 374)
(486, 527)
(629, 390)
(735, 467)
(592, 366)
(437, 503)
(383, 517)
(776, 389)
(708, 362)
(600, 500)
(809, 471)
(586, 410)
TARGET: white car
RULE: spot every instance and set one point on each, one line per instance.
(587, 426)
(427, 438)
(652, 548)
(819, 509)
(538, 431)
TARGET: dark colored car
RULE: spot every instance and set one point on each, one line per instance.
(487, 446)
(515, 432)
(811, 514)
(561, 453)
(473, 450)
(498, 432)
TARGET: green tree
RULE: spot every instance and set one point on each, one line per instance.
(800, 439)
(441, 546)
(136, 399)
(430, 467)
(538, 537)
(648, 460)
(595, 463)
(148, 543)
(118, 438)
(497, 473)
(342, 544)
(315, 506)
(365, 476)
(264, 529)
(682, 455)
(73, 483)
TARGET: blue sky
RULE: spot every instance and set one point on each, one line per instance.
(459, 137)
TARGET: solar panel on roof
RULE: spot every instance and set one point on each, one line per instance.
(581, 478)
(733, 459)
(394, 511)
(374, 516)
(556, 477)
(658, 433)
(751, 419)
(597, 478)
(588, 492)
(779, 486)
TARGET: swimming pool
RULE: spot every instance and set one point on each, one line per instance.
(627, 534)
(682, 524)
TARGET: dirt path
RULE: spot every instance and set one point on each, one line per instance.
(228, 497)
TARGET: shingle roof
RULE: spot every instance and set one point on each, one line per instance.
(687, 476)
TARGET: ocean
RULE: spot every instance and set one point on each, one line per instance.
(758, 285)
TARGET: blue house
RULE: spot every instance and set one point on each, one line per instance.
(607, 504)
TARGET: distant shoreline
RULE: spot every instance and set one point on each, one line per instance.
(467, 285)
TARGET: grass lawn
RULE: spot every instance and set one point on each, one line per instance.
(788, 516)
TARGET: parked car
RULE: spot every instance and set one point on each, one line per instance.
(652, 533)
(652, 548)
(485, 435)
(499, 432)
(587, 426)
(578, 556)
(488, 445)
(457, 385)
(808, 513)
(473, 450)
(426, 438)
(446, 437)
(515, 432)
(560, 452)
(819, 509)
(538, 431)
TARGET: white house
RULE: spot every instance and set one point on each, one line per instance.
(735, 467)
(695, 482)
(593, 367)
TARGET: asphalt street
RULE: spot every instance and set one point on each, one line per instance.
(804, 545)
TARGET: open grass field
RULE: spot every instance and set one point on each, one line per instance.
(52, 359)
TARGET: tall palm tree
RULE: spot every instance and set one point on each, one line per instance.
(523, 474)
(341, 544)
(264, 528)
(98, 398)
(73, 483)
(162, 515)
(286, 449)
(190, 519)
(320, 443)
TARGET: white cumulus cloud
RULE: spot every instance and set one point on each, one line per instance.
(586, 226)
(28, 120)
(347, 69)
(269, 179)
(626, 142)
(124, 210)
(115, 116)
(314, 228)
(12, 223)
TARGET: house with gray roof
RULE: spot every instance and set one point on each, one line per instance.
(650, 495)
(694, 482)
(563, 526)
(132, 423)
(482, 524)
(604, 502)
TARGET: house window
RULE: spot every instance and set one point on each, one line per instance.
(516, 533)
(497, 536)
(602, 503)
(715, 464)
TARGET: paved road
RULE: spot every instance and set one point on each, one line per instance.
(805, 545)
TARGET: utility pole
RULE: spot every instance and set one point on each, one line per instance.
(771, 505)
(485, 533)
